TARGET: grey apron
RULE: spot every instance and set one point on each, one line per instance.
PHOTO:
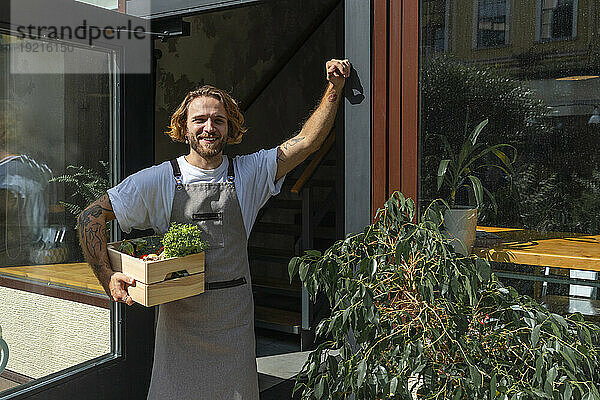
(205, 345)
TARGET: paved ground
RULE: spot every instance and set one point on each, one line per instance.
(278, 359)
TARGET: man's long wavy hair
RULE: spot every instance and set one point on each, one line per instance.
(235, 119)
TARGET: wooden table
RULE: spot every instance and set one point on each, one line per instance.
(74, 281)
(546, 249)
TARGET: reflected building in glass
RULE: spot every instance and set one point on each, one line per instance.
(532, 68)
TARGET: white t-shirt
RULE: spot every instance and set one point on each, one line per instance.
(144, 200)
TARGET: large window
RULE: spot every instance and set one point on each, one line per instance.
(492, 22)
(56, 140)
(538, 151)
(557, 19)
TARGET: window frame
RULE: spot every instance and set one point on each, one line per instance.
(538, 24)
(475, 32)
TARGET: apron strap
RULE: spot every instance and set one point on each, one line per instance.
(230, 172)
(177, 174)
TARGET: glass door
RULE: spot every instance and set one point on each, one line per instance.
(63, 82)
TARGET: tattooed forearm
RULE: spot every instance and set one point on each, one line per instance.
(290, 143)
(332, 98)
(92, 235)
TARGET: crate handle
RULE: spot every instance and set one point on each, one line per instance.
(176, 274)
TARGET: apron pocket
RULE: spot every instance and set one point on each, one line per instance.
(212, 227)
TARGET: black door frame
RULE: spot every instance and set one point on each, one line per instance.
(124, 374)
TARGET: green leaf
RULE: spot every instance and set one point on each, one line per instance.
(293, 267)
(475, 375)
(364, 265)
(483, 269)
(568, 391)
(127, 248)
(539, 367)
(319, 388)
(346, 313)
(560, 320)
(393, 385)
(568, 359)
(493, 387)
(538, 393)
(550, 377)
(475, 134)
(535, 335)
(303, 270)
(362, 372)
(402, 250)
(502, 156)
(442, 168)
(477, 189)
(373, 267)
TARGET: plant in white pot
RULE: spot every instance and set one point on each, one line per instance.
(459, 172)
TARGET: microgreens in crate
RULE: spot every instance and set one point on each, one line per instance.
(180, 240)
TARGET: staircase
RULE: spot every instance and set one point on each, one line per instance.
(301, 217)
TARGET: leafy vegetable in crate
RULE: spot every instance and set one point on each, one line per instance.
(182, 240)
(141, 246)
(410, 318)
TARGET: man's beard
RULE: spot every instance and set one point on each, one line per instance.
(205, 152)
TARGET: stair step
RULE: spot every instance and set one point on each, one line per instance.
(286, 204)
(265, 251)
(276, 319)
(279, 284)
(271, 227)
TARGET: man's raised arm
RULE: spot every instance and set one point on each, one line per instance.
(91, 225)
(315, 130)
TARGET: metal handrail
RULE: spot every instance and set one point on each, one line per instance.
(314, 164)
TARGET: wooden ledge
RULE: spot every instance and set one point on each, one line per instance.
(547, 249)
(75, 282)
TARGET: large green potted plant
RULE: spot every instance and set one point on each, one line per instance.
(458, 171)
(412, 319)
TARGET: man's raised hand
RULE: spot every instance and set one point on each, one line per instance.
(337, 72)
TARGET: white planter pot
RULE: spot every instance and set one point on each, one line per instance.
(461, 224)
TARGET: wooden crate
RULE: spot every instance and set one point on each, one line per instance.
(154, 283)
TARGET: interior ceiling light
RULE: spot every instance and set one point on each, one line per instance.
(578, 78)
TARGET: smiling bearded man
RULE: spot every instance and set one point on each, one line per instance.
(206, 129)
(205, 347)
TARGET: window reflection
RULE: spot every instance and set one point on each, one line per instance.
(24, 200)
(434, 25)
(492, 22)
(557, 19)
(55, 131)
(541, 95)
